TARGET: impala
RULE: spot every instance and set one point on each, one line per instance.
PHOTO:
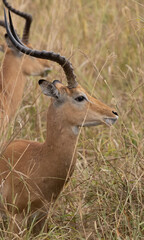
(33, 172)
(14, 71)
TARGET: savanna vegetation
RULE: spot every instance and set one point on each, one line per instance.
(104, 40)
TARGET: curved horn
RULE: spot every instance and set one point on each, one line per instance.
(28, 22)
(55, 57)
(13, 31)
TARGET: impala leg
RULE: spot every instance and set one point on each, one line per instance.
(39, 224)
(1, 226)
(16, 224)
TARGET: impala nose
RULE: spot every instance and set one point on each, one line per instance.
(111, 120)
(115, 113)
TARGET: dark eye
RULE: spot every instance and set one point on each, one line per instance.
(80, 98)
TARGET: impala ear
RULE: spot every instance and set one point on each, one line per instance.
(49, 88)
(8, 41)
(10, 45)
(2, 47)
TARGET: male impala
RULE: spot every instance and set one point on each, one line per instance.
(14, 71)
(32, 173)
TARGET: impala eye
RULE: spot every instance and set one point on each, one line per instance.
(80, 98)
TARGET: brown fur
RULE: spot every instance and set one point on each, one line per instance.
(14, 71)
(40, 170)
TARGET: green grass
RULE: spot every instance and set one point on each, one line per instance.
(105, 39)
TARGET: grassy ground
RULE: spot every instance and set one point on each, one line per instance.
(105, 39)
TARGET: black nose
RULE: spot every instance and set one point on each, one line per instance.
(115, 113)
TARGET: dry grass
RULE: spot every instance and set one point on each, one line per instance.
(105, 197)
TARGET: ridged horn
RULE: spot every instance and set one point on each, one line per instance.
(24, 15)
(55, 57)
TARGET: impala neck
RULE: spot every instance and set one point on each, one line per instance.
(11, 74)
(59, 131)
(61, 139)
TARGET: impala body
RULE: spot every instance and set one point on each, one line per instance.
(14, 71)
(13, 76)
(35, 173)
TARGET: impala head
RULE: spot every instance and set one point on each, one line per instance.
(30, 65)
(76, 105)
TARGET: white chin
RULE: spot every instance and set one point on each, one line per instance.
(110, 121)
(90, 124)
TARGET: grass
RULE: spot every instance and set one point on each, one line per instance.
(104, 39)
